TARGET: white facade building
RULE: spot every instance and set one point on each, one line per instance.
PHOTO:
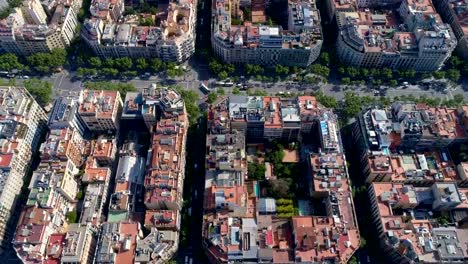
(23, 124)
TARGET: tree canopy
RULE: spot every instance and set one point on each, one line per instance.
(40, 90)
(9, 61)
(123, 88)
(44, 62)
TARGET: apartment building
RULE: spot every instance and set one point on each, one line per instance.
(64, 113)
(412, 36)
(238, 225)
(111, 34)
(407, 143)
(157, 247)
(39, 27)
(78, 245)
(129, 183)
(455, 13)
(64, 144)
(100, 110)
(35, 226)
(164, 180)
(117, 243)
(144, 105)
(22, 126)
(407, 238)
(52, 195)
(256, 43)
(97, 175)
(272, 118)
(337, 232)
(53, 185)
(163, 112)
(404, 156)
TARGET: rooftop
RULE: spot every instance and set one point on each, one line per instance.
(162, 219)
(48, 18)
(108, 25)
(75, 241)
(320, 238)
(100, 104)
(117, 243)
(420, 28)
(303, 32)
(92, 204)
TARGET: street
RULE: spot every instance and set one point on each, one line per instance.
(64, 83)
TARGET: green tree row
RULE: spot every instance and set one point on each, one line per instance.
(127, 67)
(42, 62)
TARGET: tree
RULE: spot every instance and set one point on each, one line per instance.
(352, 105)
(393, 83)
(123, 64)
(141, 64)
(57, 58)
(111, 72)
(270, 21)
(365, 72)
(345, 81)
(326, 100)
(352, 72)
(40, 90)
(222, 75)
(453, 75)
(122, 88)
(9, 61)
(84, 72)
(211, 98)
(353, 260)
(130, 11)
(147, 22)
(281, 70)
(130, 74)
(386, 73)
(46, 62)
(385, 101)
(438, 74)
(256, 171)
(455, 62)
(190, 98)
(252, 69)
(341, 70)
(363, 243)
(229, 68)
(320, 70)
(109, 63)
(325, 58)
(280, 188)
(220, 91)
(215, 66)
(458, 99)
(72, 217)
(156, 65)
(95, 62)
(173, 70)
(236, 91)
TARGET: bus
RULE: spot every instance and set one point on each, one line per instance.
(205, 88)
